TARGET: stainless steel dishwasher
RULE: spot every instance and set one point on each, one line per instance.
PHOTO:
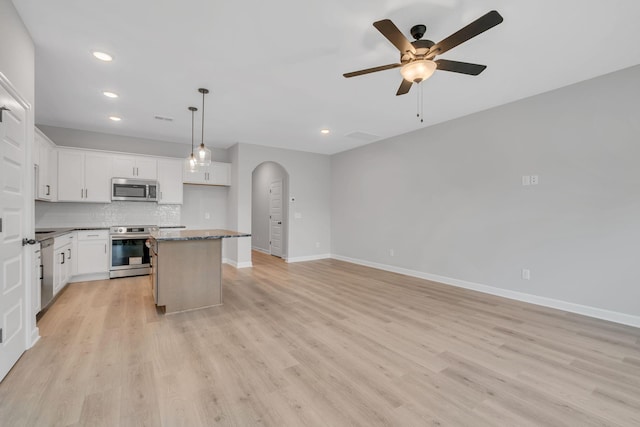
(46, 252)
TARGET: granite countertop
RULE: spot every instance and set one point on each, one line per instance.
(53, 232)
(50, 233)
(164, 235)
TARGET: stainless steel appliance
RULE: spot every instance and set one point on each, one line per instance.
(46, 292)
(137, 190)
(129, 254)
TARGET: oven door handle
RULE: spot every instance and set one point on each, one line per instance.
(129, 237)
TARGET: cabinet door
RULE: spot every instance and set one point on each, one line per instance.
(97, 178)
(220, 173)
(124, 167)
(170, 180)
(146, 168)
(60, 269)
(198, 177)
(93, 256)
(52, 177)
(70, 176)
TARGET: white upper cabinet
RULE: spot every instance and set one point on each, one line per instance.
(170, 181)
(217, 173)
(84, 176)
(134, 167)
(46, 167)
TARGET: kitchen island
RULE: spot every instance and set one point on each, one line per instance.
(187, 268)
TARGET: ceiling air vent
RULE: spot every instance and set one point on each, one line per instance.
(363, 136)
(163, 118)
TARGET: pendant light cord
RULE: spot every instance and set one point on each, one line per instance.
(193, 110)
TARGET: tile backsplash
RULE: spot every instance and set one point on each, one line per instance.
(48, 215)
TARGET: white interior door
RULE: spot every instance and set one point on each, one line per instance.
(13, 162)
(275, 218)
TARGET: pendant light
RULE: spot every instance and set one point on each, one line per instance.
(204, 154)
(191, 164)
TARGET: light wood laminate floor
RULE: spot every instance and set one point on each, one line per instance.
(322, 343)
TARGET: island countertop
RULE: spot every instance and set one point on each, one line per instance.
(164, 235)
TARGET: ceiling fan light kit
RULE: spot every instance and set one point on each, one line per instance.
(417, 61)
(419, 70)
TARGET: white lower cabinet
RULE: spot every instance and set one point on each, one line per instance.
(93, 252)
(62, 261)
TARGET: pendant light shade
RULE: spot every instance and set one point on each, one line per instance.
(191, 162)
(203, 156)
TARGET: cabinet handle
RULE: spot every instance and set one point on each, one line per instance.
(105, 248)
(93, 235)
(81, 193)
(69, 257)
(48, 189)
(62, 253)
(134, 170)
(86, 193)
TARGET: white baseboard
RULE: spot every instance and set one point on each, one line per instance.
(35, 336)
(599, 313)
(308, 258)
(235, 264)
(89, 277)
(264, 251)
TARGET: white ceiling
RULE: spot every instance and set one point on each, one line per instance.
(274, 68)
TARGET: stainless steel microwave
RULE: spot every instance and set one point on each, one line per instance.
(137, 190)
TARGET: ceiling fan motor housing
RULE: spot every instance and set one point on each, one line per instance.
(417, 31)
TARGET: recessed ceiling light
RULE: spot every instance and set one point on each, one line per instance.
(102, 56)
(115, 118)
(110, 94)
(324, 131)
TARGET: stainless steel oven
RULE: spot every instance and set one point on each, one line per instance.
(129, 254)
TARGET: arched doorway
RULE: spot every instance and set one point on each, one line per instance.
(270, 209)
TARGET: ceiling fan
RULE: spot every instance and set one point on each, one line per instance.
(417, 57)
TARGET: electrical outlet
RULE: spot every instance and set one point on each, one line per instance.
(534, 179)
(207, 215)
(317, 244)
(526, 274)
(392, 252)
(297, 215)
(526, 180)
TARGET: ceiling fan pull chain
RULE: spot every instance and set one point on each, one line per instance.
(421, 105)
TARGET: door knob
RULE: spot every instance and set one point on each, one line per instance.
(26, 242)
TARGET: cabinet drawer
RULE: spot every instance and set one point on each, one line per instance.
(65, 239)
(93, 235)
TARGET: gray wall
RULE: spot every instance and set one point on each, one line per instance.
(17, 53)
(309, 183)
(449, 199)
(108, 142)
(200, 200)
(262, 177)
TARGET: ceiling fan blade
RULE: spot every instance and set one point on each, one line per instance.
(372, 70)
(478, 26)
(404, 87)
(393, 34)
(460, 67)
